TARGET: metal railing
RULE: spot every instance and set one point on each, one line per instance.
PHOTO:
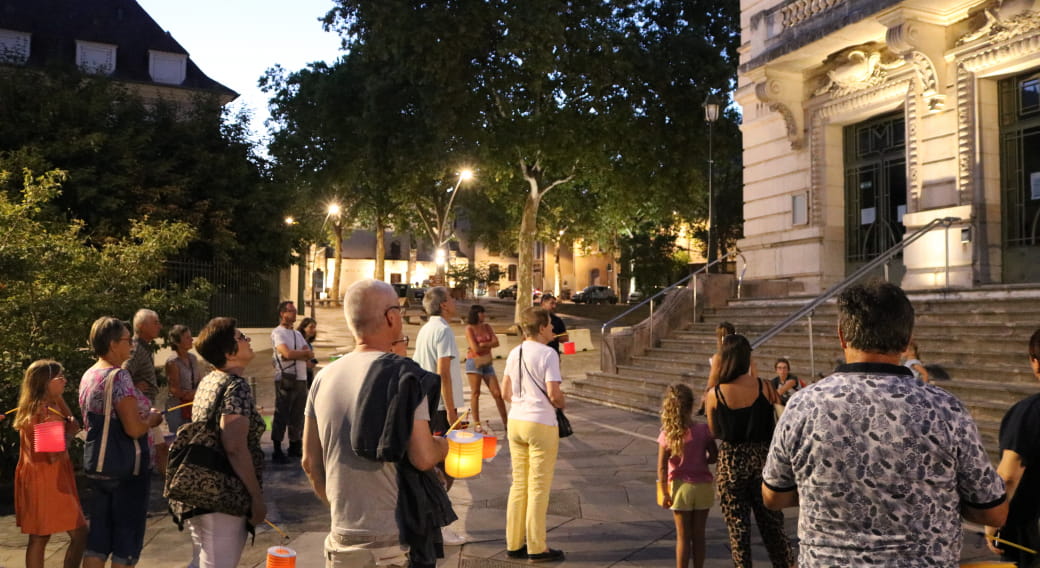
(678, 283)
(882, 259)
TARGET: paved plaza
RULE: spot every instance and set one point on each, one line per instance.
(602, 510)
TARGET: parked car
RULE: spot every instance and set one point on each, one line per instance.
(635, 296)
(507, 292)
(595, 295)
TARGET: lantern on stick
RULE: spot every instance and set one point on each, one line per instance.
(465, 454)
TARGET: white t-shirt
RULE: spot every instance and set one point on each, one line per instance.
(436, 340)
(362, 493)
(293, 340)
(541, 365)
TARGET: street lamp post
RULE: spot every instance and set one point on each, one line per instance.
(443, 228)
(711, 114)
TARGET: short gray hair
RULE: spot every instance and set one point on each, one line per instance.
(364, 303)
(433, 299)
(141, 316)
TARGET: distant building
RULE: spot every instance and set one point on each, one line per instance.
(866, 119)
(116, 39)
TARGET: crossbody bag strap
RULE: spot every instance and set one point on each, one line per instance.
(532, 379)
(110, 380)
(108, 419)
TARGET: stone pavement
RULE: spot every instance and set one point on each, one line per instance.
(602, 509)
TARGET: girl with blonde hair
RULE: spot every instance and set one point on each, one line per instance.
(46, 501)
(685, 482)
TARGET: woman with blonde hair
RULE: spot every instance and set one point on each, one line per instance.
(532, 383)
(46, 501)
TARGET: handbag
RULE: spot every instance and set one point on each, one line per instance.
(483, 360)
(199, 474)
(561, 419)
(109, 451)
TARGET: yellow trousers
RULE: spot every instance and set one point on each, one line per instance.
(533, 448)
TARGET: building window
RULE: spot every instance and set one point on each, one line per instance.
(800, 209)
(1020, 175)
(96, 58)
(494, 273)
(14, 47)
(512, 273)
(165, 67)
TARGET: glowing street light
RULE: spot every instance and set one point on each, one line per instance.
(443, 227)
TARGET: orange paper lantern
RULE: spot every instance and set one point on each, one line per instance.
(281, 557)
(490, 446)
(465, 454)
(569, 348)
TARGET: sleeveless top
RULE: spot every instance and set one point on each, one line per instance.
(753, 423)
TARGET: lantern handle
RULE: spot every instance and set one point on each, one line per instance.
(461, 418)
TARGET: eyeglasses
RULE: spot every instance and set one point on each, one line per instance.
(60, 377)
(242, 337)
(403, 339)
(387, 311)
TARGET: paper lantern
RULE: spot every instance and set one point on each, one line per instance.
(568, 348)
(281, 557)
(465, 454)
(49, 436)
(490, 446)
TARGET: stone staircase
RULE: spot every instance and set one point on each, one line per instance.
(978, 338)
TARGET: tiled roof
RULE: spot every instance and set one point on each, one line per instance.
(55, 26)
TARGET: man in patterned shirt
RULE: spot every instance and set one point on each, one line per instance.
(882, 465)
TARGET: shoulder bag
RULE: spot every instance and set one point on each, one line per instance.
(199, 473)
(109, 451)
(561, 419)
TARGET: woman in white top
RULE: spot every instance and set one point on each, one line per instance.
(182, 370)
(532, 383)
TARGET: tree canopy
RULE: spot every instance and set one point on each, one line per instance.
(126, 157)
(601, 98)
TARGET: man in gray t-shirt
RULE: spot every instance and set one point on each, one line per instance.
(361, 493)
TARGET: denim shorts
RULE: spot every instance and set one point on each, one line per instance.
(471, 367)
(117, 509)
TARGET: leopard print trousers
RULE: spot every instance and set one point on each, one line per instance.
(739, 480)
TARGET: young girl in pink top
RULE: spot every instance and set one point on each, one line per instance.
(685, 450)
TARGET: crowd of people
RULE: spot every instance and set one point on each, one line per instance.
(883, 465)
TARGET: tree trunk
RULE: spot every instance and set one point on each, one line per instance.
(380, 269)
(412, 256)
(556, 270)
(337, 263)
(528, 228)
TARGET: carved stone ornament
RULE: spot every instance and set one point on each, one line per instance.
(780, 92)
(1005, 20)
(857, 69)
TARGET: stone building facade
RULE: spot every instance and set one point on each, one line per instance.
(864, 120)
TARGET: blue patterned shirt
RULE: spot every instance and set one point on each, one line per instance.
(882, 464)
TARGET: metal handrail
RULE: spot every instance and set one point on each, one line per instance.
(685, 279)
(883, 258)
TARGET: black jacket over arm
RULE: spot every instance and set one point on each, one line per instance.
(382, 427)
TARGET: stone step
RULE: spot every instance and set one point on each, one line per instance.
(616, 391)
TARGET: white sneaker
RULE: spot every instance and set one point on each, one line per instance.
(452, 538)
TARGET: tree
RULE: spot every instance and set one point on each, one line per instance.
(128, 158)
(58, 278)
(551, 92)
